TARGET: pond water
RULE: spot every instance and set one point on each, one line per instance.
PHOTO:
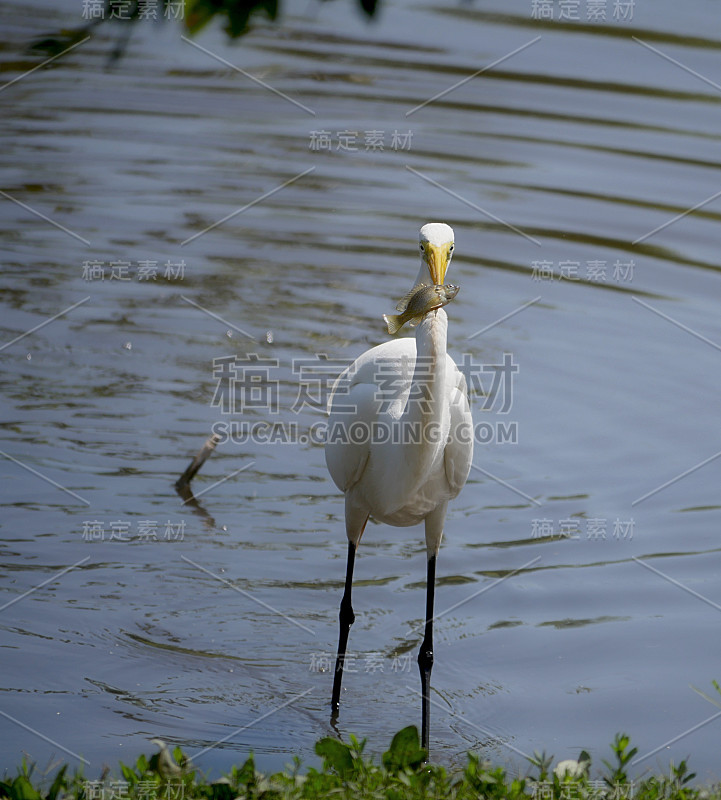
(578, 161)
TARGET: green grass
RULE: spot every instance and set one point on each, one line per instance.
(348, 773)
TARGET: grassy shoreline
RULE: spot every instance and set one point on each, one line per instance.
(401, 774)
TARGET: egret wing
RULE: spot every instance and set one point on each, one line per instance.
(347, 448)
(458, 454)
(379, 380)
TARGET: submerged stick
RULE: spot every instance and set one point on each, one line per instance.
(183, 482)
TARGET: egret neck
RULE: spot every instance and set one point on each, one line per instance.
(425, 421)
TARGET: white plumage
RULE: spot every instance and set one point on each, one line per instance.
(400, 441)
(400, 481)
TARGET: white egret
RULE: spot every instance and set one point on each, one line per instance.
(400, 444)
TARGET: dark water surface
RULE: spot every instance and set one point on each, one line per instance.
(126, 615)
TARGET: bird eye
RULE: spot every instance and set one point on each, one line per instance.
(421, 246)
(450, 249)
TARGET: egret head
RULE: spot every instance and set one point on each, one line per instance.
(436, 245)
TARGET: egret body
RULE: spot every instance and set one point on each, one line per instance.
(411, 390)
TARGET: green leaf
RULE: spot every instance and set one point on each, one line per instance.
(245, 776)
(222, 790)
(335, 754)
(238, 16)
(22, 789)
(198, 14)
(405, 751)
(129, 774)
(58, 783)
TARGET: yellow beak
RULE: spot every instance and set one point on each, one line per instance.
(437, 259)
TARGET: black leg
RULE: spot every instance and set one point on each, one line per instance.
(346, 618)
(425, 656)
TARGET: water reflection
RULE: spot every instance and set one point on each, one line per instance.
(587, 141)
